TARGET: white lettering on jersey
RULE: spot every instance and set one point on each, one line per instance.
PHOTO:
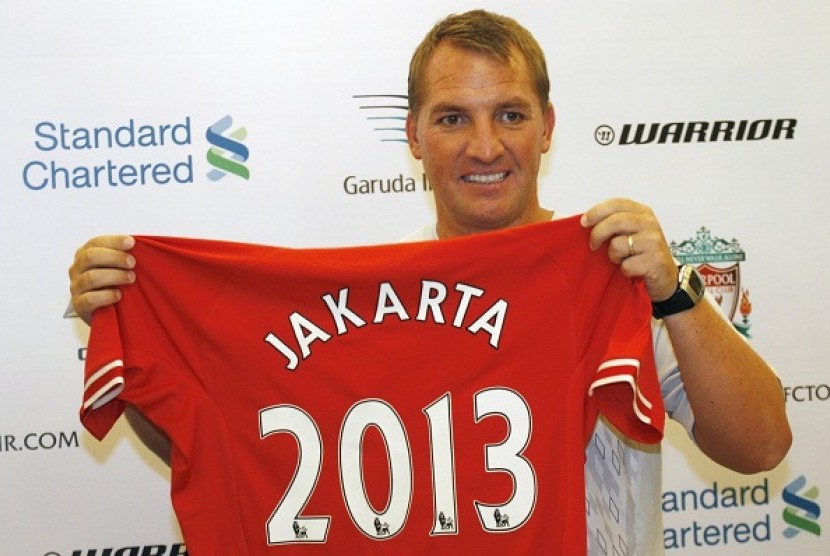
(299, 323)
(280, 346)
(430, 307)
(431, 302)
(496, 313)
(288, 524)
(339, 310)
(508, 457)
(467, 292)
(388, 303)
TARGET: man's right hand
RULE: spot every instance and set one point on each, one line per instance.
(101, 266)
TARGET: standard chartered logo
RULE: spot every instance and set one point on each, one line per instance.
(724, 527)
(802, 511)
(129, 154)
(227, 153)
(97, 156)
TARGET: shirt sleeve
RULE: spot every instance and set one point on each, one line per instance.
(624, 382)
(103, 374)
(148, 344)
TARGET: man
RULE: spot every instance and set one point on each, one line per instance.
(480, 119)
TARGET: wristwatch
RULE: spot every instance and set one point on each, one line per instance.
(689, 292)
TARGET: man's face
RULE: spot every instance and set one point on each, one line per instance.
(480, 131)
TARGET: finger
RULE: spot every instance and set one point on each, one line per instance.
(85, 305)
(93, 256)
(604, 209)
(622, 247)
(98, 279)
(615, 225)
(650, 260)
(100, 266)
(102, 257)
(119, 242)
(104, 244)
(647, 242)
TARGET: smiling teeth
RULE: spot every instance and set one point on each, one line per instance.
(485, 178)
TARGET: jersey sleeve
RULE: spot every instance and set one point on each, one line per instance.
(103, 374)
(610, 317)
(149, 344)
(623, 380)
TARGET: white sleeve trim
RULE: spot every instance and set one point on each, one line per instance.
(624, 378)
(106, 392)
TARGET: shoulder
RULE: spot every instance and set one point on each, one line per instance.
(424, 233)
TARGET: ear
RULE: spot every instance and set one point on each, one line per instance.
(550, 121)
(412, 134)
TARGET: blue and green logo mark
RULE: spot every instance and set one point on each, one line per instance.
(802, 510)
(227, 153)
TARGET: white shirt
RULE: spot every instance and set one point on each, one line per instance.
(623, 479)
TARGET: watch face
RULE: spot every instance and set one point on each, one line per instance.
(690, 291)
(695, 281)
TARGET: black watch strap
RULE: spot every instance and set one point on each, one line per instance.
(689, 292)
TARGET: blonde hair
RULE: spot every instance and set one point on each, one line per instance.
(479, 31)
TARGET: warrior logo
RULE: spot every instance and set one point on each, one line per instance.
(717, 261)
(223, 146)
(698, 132)
(802, 512)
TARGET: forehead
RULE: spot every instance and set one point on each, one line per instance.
(458, 73)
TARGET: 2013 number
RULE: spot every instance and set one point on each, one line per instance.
(287, 524)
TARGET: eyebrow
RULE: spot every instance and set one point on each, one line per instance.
(445, 107)
(515, 102)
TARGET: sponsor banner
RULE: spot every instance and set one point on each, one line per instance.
(802, 393)
(673, 133)
(137, 550)
(232, 130)
(750, 515)
(69, 156)
(11, 443)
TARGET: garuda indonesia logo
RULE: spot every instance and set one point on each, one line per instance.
(227, 153)
(387, 115)
(718, 261)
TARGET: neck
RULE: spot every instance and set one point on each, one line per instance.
(446, 231)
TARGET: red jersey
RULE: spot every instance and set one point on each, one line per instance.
(397, 399)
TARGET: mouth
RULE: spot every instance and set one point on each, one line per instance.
(486, 179)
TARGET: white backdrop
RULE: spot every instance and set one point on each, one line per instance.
(292, 76)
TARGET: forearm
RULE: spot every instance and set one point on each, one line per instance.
(737, 400)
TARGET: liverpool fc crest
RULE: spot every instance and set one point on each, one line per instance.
(718, 261)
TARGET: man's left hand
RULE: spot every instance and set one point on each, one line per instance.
(635, 242)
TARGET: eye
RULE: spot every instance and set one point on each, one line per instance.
(450, 120)
(512, 117)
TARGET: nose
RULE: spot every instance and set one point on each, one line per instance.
(484, 142)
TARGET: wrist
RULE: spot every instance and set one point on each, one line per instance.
(688, 293)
